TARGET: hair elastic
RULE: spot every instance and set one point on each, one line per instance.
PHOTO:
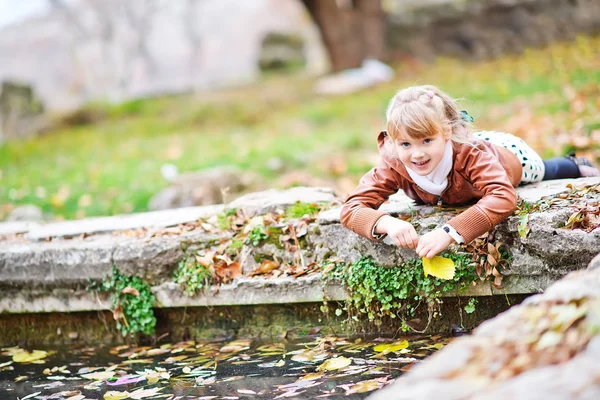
(466, 117)
(430, 94)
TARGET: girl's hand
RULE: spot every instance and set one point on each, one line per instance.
(402, 233)
(433, 242)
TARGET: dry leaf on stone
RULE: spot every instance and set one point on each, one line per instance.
(130, 290)
(265, 267)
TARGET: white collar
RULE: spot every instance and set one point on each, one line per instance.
(436, 181)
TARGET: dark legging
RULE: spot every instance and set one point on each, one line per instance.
(560, 168)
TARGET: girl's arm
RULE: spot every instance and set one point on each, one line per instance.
(360, 211)
(499, 200)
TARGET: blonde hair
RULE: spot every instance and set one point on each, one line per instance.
(424, 111)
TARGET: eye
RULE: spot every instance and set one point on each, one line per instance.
(428, 140)
(404, 144)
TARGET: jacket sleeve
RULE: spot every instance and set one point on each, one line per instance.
(499, 198)
(360, 210)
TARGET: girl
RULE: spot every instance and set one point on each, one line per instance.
(429, 153)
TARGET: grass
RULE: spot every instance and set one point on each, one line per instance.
(111, 164)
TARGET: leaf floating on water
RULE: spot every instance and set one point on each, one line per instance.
(144, 393)
(31, 395)
(335, 363)
(311, 377)
(235, 346)
(246, 391)
(124, 380)
(99, 376)
(23, 356)
(366, 386)
(440, 267)
(391, 347)
(114, 395)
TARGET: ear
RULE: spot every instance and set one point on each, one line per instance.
(447, 132)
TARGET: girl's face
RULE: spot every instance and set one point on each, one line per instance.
(421, 155)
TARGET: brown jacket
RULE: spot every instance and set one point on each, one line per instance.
(486, 173)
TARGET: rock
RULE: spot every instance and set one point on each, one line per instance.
(281, 52)
(595, 263)
(28, 212)
(21, 112)
(550, 343)
(211, 186)
(372, 72)
(484, 28)
(270, 200)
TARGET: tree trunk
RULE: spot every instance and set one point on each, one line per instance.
(352, 30)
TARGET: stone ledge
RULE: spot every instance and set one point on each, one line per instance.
(243, 291)
(39, 276)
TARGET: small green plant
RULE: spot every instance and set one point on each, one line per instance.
(470, 307)
(132, 302)
(192, 276)
(299, 209)
(379, 292)
(224, 218)
(256, 235)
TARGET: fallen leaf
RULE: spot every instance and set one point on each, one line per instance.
(114, 395)
(335, 363)
(31, 395)
(23, 356)
(143, 393)
(130, 290)
(99, 376)
(265, 267)
(439, 267)
(391, 347)
(366, 386)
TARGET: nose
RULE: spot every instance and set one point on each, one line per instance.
(418, 153)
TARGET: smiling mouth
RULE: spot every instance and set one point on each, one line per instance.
(421, 164)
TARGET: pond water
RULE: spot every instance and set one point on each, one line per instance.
(312, 367)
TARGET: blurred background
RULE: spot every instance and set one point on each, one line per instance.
(119, 106)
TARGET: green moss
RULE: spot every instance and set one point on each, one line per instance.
(299, 209)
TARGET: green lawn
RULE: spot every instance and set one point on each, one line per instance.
(112, 165)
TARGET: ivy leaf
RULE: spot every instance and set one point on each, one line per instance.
(523, 227)
(440, 267)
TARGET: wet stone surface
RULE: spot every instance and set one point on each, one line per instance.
(311, 367)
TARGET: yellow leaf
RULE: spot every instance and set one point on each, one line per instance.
(439, 267)
(114, 395)
(391, 347)
(99, 376)
(335, 363)
(25, 356)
